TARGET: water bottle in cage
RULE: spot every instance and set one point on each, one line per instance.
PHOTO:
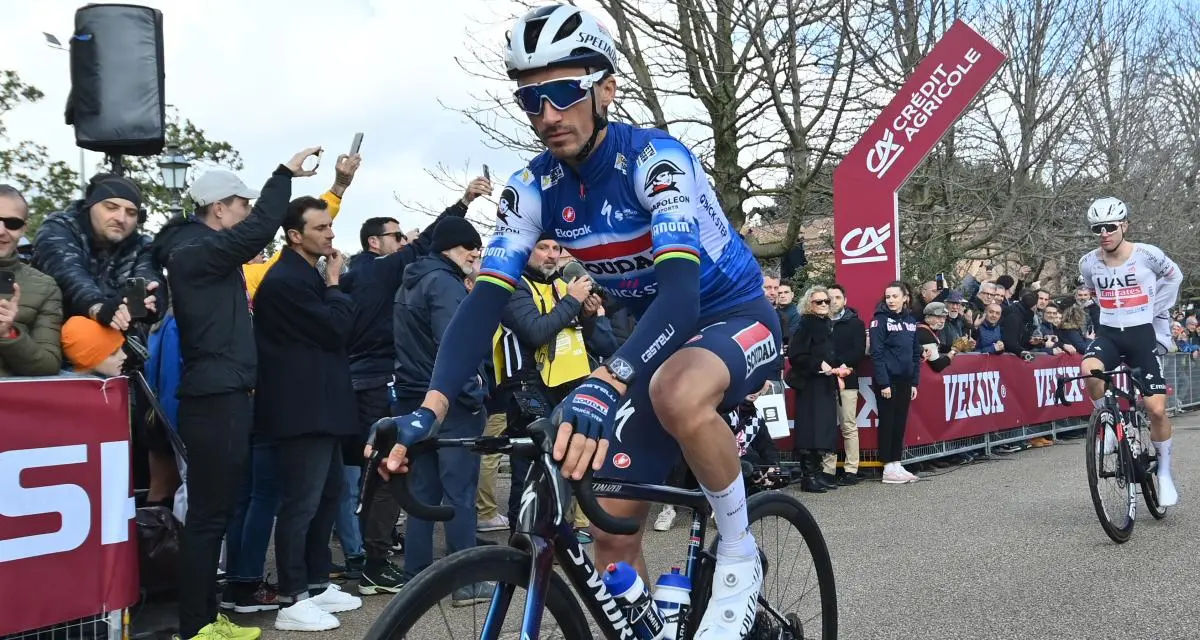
(630, 592)
(673, 595)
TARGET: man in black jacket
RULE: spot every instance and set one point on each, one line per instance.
(204, 255)
(372, 282)
(849, 349)
(305, 402)
(93, 247)
(432, 290)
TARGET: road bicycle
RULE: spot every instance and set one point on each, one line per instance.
(545, 535)
(1116, 472)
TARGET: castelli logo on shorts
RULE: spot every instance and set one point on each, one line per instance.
(569, 214)
(622, 461)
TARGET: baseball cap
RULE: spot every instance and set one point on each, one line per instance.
(217, 185)
(935, 309)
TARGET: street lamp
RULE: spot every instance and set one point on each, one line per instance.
(174, 165)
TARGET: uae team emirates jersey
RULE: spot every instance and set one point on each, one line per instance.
(640, 197)
(1135, 293)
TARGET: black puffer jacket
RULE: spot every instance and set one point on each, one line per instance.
(65, 250)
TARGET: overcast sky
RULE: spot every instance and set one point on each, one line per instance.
(274, 76)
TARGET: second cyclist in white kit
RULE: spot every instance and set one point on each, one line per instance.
(1135, 286)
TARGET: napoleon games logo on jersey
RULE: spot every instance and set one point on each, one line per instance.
(661, 178)
(509, 201)
(552, 178)
(757, 344)
(568, 214)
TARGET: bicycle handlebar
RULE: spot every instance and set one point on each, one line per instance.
(1134, 374)
(542, 433)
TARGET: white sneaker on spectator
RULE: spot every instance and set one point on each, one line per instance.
(665, 519)
(305, 615)
(912, 477)
(895, 477)
(499, 522)
(333, 600)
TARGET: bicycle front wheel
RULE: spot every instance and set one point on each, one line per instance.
(426, 608)
(1111, 475)
(798, 600)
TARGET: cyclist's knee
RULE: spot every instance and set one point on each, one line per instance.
(615, 548)
(1089, 365)
(688, 380)
(1156, 407)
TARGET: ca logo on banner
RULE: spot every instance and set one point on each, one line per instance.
(884, 154)
(870, 241)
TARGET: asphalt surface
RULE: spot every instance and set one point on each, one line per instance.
(998, 549)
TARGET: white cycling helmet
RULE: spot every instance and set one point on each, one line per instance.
(557, 36)
(1107, 210)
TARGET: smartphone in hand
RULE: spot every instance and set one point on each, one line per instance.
(487, 173)
(134, 293)
(8, 281)
(312, 162)
(357, 143)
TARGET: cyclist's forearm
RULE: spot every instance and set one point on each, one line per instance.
(668, 321)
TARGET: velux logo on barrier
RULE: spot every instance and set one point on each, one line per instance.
(870, 246)
(1047, 381)
(969, 395)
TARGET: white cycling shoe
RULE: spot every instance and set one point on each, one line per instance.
(1110, 440)
(734, 601)
(1167, 495)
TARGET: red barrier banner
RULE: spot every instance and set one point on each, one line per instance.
(976, 394)
(865, 211)
(68, 547)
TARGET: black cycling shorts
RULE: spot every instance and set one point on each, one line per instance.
(747, 339)
(1138, 345)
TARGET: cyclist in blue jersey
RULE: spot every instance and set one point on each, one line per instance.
(635, 207)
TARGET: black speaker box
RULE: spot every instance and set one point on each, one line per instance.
(117, 103)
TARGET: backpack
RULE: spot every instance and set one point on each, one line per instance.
(165, 366)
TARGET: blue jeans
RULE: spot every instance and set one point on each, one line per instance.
(347, 521)
(249, 531)
(448, 476)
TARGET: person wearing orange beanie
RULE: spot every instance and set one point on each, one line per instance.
(92, 347)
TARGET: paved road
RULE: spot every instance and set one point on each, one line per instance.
(1000, 549)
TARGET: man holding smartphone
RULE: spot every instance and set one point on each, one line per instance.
(204, 254)
(30, 302)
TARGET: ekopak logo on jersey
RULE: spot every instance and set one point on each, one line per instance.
(1047, 382)
(974, 394)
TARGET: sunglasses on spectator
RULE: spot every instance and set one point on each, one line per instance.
(821, 301)
(13, 224)
(561, 93)
(1101, 229)
(398, 235)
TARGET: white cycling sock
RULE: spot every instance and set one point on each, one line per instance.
(733, 524)
(1164, 457)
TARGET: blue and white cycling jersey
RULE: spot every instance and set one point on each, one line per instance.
(640, 198)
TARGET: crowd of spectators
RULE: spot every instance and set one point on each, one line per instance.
(271, 370)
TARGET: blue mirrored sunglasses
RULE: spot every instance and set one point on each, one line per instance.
(561, 93)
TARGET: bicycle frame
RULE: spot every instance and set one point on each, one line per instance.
(543, 529)
(545, 532)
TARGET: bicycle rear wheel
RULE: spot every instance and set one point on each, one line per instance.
(789, 574)
(1111, 476)
(503, 565)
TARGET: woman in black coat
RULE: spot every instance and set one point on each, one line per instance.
(810, 352)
